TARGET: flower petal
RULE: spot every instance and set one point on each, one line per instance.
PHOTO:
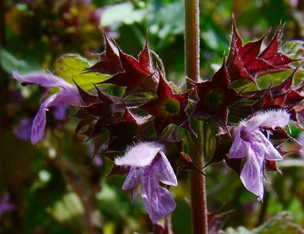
(270, 119)
(165, 171)
(59, 112)
(23, 130)
(47, 80)
(252, 175)
(157, 200)
(269, 151)
(140, 155)
(251, 143)
(5, 205)
(39, 122)
(132, 179)
(67, 95)
(239, 148)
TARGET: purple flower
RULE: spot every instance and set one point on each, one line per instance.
(250, 143)
(148, 166)
(301, 141)
(5, 206)
(59, 112)
(23, 130)
(97, 161)
(68, 94)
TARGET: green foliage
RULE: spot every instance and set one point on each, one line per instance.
(71, 67)
(10, 63)
(123, 13)
(165, 21)
(56, 192)
(281, 223)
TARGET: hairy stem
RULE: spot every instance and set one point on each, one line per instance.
(196, 146)
(192, 41)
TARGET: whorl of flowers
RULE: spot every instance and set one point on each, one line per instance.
(148, 123)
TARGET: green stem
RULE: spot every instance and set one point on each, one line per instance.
(196, 148)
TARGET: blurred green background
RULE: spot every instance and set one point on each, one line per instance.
(54, 187)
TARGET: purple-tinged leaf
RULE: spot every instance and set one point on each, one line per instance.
(215, 97)
(109, 60)
(168, 108)
(248, 61)
(166, 229)
(138, 75)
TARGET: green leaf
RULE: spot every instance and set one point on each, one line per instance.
(275, 11)
(294, 49)
(172, 17)
(121, 13)
(291, 163)
(210, 138)
(69, 207)
(281, 223)
(239, 230)
(10, 63)
(165, 21)
(111, 202)
(71, 67)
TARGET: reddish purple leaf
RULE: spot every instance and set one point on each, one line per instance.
(272, 55)
(168, 107)
(215, 97)
(271, 166)
(248, 61)
(166, 229)
(138, 75)
(109, 60)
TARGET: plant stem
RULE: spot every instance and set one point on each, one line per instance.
(197, 146)
(192, 40)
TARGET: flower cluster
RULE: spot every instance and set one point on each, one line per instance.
(145, 125)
